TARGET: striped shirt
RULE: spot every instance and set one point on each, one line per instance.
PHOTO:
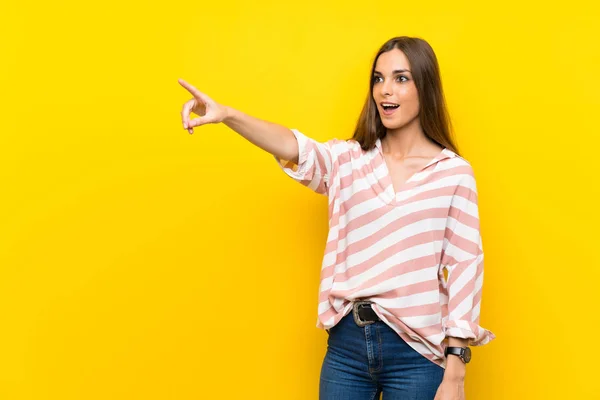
(392, 247)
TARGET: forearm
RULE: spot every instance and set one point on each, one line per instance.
(271, 137)
(455, 368)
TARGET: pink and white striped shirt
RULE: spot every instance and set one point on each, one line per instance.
(392, 247)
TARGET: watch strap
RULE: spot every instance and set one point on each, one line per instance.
(458, 351)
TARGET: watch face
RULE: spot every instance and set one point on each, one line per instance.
(467, 354)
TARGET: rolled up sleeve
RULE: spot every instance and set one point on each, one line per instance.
(315, 163)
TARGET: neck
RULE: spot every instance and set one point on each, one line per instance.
(406, 141)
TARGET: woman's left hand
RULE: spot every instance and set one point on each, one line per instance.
(451, 389)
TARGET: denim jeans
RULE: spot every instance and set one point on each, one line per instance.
(362, 362)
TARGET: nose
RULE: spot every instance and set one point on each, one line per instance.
(386, 88)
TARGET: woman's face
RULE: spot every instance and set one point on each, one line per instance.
(393, 83)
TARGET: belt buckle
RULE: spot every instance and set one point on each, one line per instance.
(357, 319)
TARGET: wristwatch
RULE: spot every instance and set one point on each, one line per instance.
(463, 352)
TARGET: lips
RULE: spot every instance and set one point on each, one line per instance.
(389, 108)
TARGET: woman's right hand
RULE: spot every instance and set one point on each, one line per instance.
(210, 111)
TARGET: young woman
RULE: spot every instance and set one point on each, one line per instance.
(402, 274)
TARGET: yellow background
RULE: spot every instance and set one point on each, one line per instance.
(140, 262)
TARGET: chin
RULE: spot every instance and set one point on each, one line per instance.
(398, 123)
(393, 124)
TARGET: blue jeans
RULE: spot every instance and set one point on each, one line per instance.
(362, 362)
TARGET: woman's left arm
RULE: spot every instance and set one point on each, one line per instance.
(462, 256)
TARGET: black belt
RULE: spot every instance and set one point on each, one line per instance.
(364, 314)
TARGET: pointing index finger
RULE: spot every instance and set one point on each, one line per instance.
(190, 88)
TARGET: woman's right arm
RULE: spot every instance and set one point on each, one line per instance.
(304, 159)
(273, 138)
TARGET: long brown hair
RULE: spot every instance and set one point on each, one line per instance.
(433, 113)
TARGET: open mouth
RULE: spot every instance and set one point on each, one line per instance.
(389, 108)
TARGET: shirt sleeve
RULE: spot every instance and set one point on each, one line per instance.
(315, 163)
(462, 256)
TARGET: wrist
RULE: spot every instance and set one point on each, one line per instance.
(454, 376)
(229, 114)
(456, 369)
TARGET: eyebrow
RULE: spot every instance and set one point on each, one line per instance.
(397, 71)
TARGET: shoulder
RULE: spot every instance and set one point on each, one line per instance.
(333, 146)
(458, 163)
(344, 147)
(460, 170)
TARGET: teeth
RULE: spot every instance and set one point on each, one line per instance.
(390, 106)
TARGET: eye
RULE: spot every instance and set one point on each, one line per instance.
(375, 79)
(402, 76)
